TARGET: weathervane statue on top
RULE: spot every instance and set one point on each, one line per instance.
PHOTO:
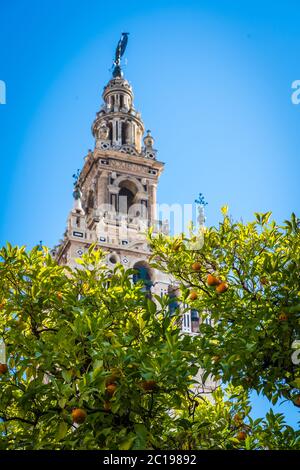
(117, 72)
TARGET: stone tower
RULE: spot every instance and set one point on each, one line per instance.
(115, 197)
(115, 192)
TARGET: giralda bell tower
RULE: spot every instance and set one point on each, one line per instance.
(115, 192)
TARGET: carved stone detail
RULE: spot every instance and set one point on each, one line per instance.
(124, 165)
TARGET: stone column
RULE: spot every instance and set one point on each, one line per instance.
(128, 132)
(102, 189)
(119, 132)
(114, 201)
(152, 200)
(138, 139)
(132, 133)
(144, 208)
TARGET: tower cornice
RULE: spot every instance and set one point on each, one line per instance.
(113, 160)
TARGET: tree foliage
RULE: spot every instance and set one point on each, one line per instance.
(255, 322)
(94, 363)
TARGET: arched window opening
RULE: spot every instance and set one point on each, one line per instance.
(110, 131)
(127, 194)
(126, 198)
(124, 132)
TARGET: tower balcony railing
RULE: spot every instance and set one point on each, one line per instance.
(139, 223)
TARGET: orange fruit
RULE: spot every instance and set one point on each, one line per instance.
(241, 436)
(110, 389)
(149, 385)
(221, 288)
(2, 304)
(196, 266)
(78, 415)
(283, 317)
(59, 295)
(193, 295)
(3, 369)
(212, 280)
(296, 400)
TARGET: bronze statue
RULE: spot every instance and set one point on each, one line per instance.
(117, 72)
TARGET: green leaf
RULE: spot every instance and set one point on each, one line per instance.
(151, 306)
(296, 382)
(141, 432)
(127, 443)
(61, 430)
(67, 375)
(62, 402)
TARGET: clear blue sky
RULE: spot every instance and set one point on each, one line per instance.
(211, 78)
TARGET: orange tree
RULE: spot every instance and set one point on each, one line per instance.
(92, 363)
(245, 280)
